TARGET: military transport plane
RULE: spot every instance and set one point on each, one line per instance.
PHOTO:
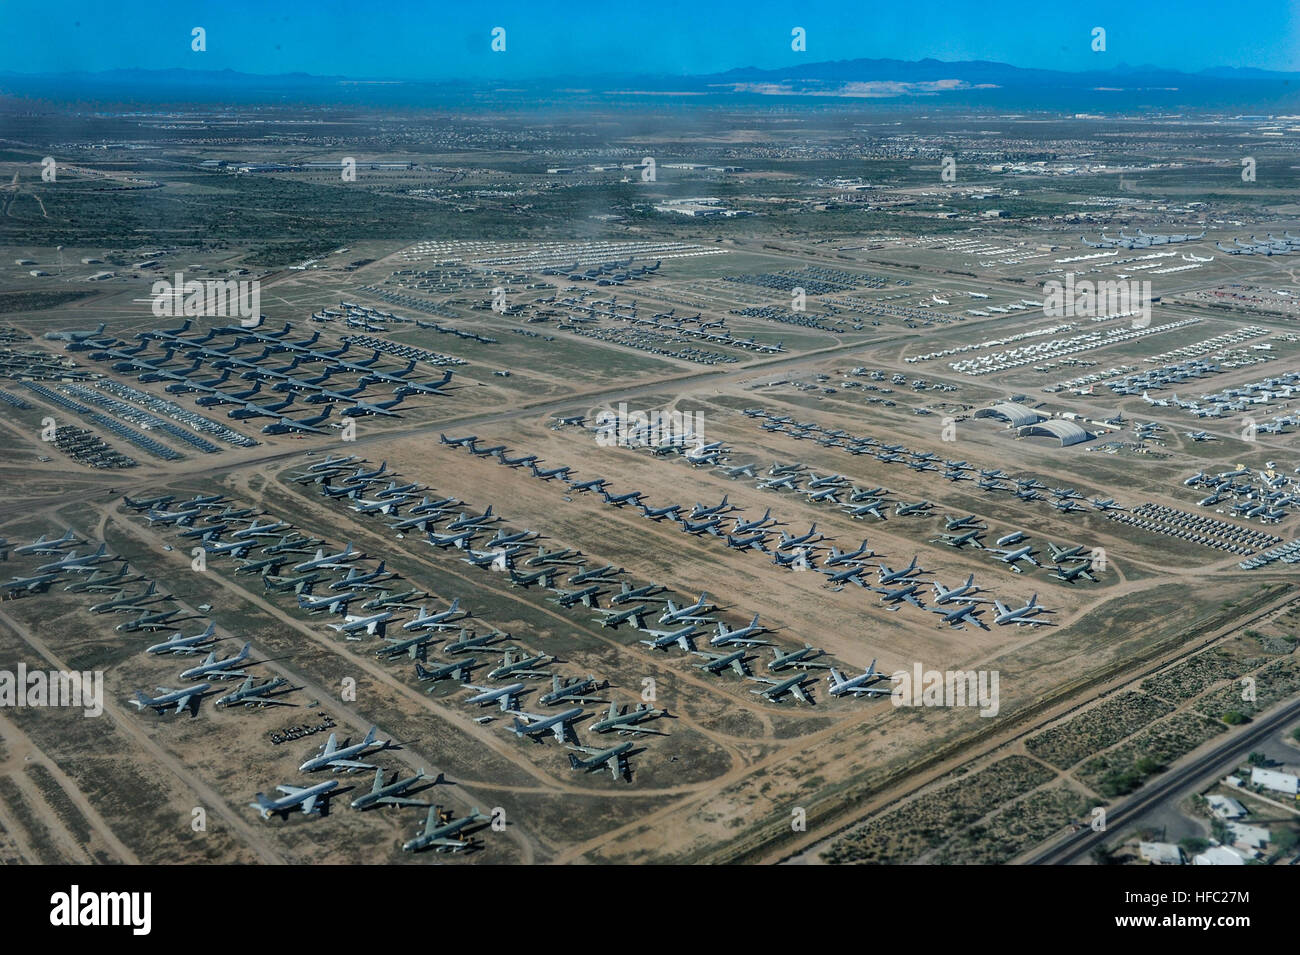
(332, 757)
(1022, 616)
(777, 689)
(615, 757)
(440, 833)
(394, 793)
(805, 658)
(505, 696)
(250, 694)
(838, 684)
(557, 725)
(624, 720)
(309, 798)
(218, 669)
(178, 643)
(187, 698)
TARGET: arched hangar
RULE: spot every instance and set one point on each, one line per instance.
(1067, 431)
(1015, 414)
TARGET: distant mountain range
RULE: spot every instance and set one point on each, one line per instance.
(969, 84)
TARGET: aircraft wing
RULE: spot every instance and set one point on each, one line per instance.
(633, 728)
(802, 694)
(309, 804)
(455, 845)
(349, 764)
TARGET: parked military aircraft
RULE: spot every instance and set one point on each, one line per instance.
(339, 759)
(309, 798)
(187, 698)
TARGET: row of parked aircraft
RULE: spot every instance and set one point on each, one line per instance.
(317, 593)
(88, 574)
(1142, 240)
(1269, 246)
(645, 608)
(801, 551)
(286, 386)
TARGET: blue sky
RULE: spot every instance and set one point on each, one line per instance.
(437, 41)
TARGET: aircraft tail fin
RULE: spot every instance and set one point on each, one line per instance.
(573, 762)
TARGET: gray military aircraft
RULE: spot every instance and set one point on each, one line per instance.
(505, 696)
(615, 758)
(890, 576)
(149, 621)
(187, 698)
(958, 615)
(439, 832)
(515, 663)
(72, 562)
(467, 641)
(344, 558)
(572, 691)
(375, 623)
(722, 661)
(100, 582)
(310, 798)
(959, 541)
(967, 592)
(334, 603)
(394, 793)
(896, 595)
(838, 684)
(615, 618)
(1012, 556)
(1071, 574)
(416, 647)
(44, 546)
(557, 725)
(460, 670)
(251, 694)
(30, 584)
(804, 658)
(623, 720)
(340, 759)
(390, 599)
(663, 639)
(777, 689)
(743, 636)
(125, 601)
(694, 613)
(179, 644)
(1021, 616)
(218, 669)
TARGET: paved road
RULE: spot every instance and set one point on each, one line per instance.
(1172, 785)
